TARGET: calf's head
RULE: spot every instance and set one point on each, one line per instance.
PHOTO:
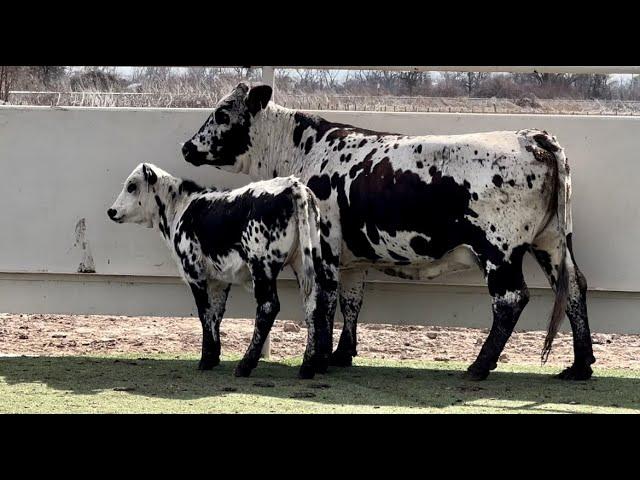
(136, 202)
(224, 137)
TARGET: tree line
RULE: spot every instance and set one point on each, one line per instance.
(319, 81)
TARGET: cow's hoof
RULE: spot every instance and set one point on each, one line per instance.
(208, 363)
(476, 373)
(340, 359)
(576, 372)
(242, 370)
(321, 363)
(306, 372)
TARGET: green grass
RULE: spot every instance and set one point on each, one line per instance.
(127, 384)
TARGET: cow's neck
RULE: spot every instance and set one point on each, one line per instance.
(272, 152)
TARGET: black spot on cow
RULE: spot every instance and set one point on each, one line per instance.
(512, 182)
(325, 228)
(324, 164)
(163, 225)
(419, 164)
(544, 259)
(493, 228)
(188, 187)
(381, 199)
(359, 166)
(497, 180)
(530, 179)
(308, 144)
(419, 149)
(218, 225)
(362, 143)
(474, 195)
(321, 186)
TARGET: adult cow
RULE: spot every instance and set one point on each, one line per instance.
(417, 207)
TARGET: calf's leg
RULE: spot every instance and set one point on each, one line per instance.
(211, 299)
(268, 307)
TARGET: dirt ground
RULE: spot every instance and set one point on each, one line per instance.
(56, 335)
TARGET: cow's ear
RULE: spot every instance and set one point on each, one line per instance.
(258, 98)
(241, 89)
(149, 175)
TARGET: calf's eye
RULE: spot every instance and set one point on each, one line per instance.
(131, 188)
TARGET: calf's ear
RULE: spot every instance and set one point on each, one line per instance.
(149, 175)
(258, 98)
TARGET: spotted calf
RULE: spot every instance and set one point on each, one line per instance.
(244, 236)
(416, 207)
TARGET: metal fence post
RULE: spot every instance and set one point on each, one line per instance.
(268, 77)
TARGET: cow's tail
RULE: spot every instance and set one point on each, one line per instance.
(563, 212)
(308, 233)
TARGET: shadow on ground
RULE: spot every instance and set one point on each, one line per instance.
(396, 385)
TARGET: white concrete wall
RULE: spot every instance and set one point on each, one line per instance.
(65, 164)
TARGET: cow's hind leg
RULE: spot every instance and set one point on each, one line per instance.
(268, 307)
(509, 294)
(351, 293)
(547, 250)
(211, 299)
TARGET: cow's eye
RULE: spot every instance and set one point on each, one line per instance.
(131, 188)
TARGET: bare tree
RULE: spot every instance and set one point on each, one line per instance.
(412, 80)
(329, 78)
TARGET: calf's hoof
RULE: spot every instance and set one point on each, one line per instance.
(476, 373)
(242, 370)
(576, 372)
(208, 363)
(340, 359)
(306, 372)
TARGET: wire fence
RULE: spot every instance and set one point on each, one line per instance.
(208, 100)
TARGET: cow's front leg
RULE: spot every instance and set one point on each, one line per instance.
(211, 300)
(268, 307)
(351, 295)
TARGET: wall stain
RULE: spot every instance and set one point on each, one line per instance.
(86, 264)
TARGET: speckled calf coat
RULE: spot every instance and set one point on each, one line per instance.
(416, 207)
(244, 236)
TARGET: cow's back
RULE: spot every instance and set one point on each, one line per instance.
(404, 199)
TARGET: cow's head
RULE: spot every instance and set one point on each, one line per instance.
(136, 202)
(224, 137)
